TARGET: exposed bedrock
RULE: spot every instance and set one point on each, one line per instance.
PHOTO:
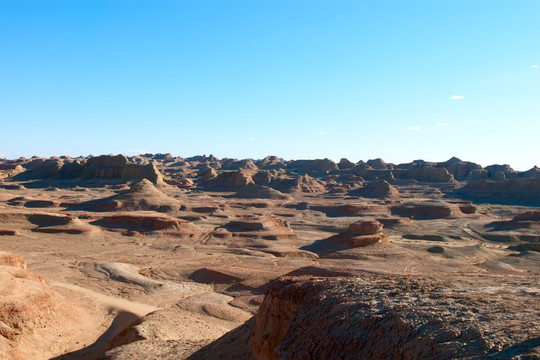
(371, 317)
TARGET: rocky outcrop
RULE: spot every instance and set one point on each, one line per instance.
(271, 162)
(268, 228)
(359, 234)
(424, 210)
(207, 173)
(312, 166)
(425, 174)
(370, 317)
(336, 210)
(118, 167)
(10, 171)
(230, 179)
(378, 164)
(142, 195)
(131, 223)
(458, 168)
(34, 321)
(253, 191)
(375, 189)
(306, 183)
(345, 164)
(519, 191)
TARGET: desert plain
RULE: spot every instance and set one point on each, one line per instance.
(162, 257)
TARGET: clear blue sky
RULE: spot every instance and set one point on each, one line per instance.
(400, 80)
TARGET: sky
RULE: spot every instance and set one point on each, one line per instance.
(398, 80)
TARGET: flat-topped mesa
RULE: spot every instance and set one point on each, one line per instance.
(109, 166)
(264, 223)
(264, 227)
(312, 166)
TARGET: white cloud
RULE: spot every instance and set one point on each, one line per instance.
(303, 144)
(413, 128)
(535, 66)
(252, 139)
(457, 97)
(442, 124)
(322, 132)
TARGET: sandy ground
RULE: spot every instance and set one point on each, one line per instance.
(119, 273)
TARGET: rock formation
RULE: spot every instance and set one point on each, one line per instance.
(253, 191)
(375, 189)
(34, 320)
(370, 317)
(524, 191)
(142, 195)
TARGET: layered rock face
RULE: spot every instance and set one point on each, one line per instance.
(369, 317)
(230, 179)
(376, 189)
(427, 210)
(524, 191)
(108, 166)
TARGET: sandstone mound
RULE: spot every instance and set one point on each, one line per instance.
(7, 173)
(108, 166)
(230, 179)
(207, 173)
(264, 227)
(72, 225)
(376, 189)
(214, 305)
(347, 209)
(253, 191)
(142, 195)
(370, 317)
(145, 222)
(306, 183)
(41, 201)
(359, 234)
(35, 323)
(425, 210)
